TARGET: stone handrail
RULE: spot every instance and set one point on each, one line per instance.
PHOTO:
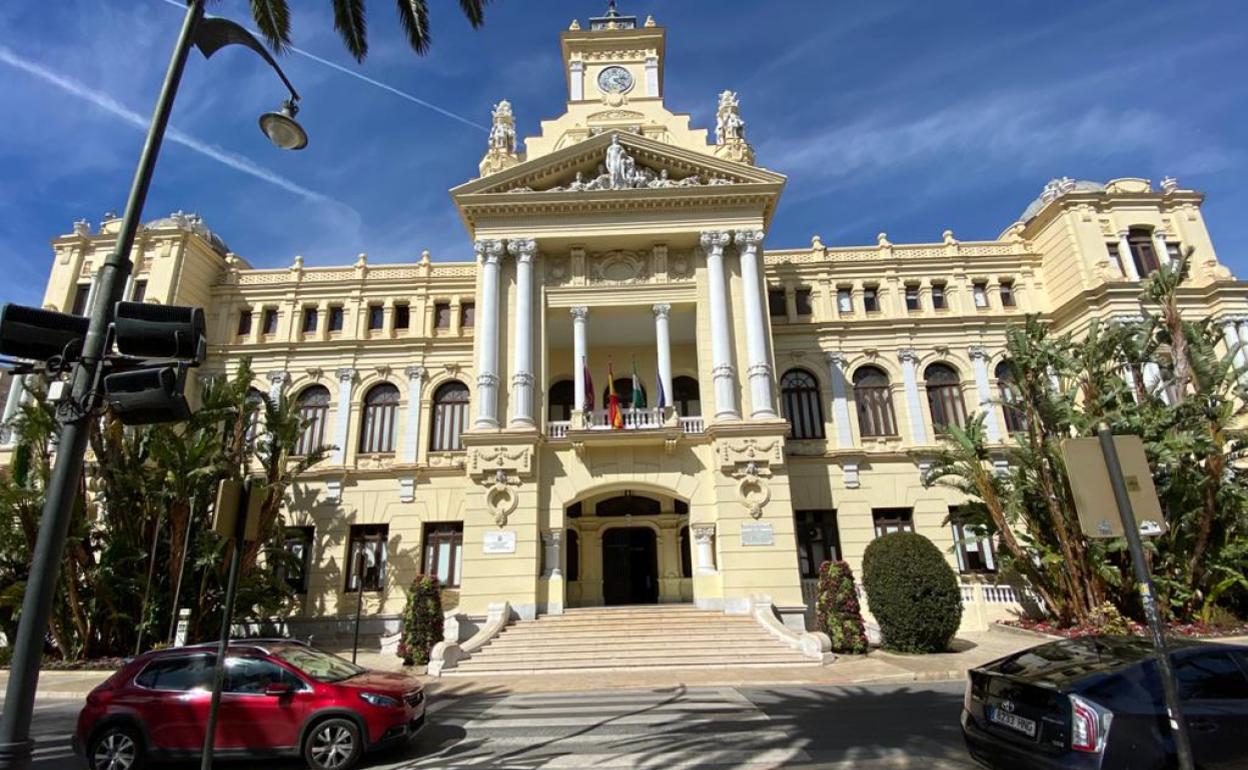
(813, 644)
(447, 655)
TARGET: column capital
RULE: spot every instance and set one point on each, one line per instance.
(552, 536)
(345, 375)
(579, 313)
(977, 352)
(760, 369)
(1160, 232)
(1122, 234)
(488, 251)
(836, 358)
(522, 378)
(661, 310)
(748, 239)
(714, 241)
(487, 380)
(523, 249)
(702, 533)
(416, 373)
(908, 355)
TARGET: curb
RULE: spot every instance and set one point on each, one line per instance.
(1001, 628)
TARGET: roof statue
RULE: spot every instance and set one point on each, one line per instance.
(502, 152)
(730, 141)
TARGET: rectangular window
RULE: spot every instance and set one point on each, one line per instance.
(776, 303)
(1115, 257)
(444, 552)
(912, 297)
(139, 292)
(270, 321)
(244, 323)
(442, 315)
(1173, 252)
(467, 315)
(818, 540)
(892, 520)
(939, 301)
(1007, 294)
(402, 316)
(376, 317)
(802, 301)
(971, 544)
(979, 290)
(336, 316)
(366, 557)
(844, 300)
(309, 320)
(297, 548)
(81, 293)
(871, 299)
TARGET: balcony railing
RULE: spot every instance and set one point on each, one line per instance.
(633, 419)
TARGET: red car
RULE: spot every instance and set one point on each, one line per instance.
(281, 698)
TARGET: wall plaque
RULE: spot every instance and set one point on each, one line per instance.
(757, 534)
(499, 542)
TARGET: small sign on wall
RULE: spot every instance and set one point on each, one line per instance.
(499, 542)
(757, 534)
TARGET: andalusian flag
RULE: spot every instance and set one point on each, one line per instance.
(639, 395)
(615, 418)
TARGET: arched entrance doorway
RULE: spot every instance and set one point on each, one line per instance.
(630, 566)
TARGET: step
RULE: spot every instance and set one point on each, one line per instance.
(626, 642)
(636, 652)
(584, 617)
(602, 625)
(467, 668)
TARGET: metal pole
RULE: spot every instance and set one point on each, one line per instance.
(177, 586)
(359, 603)
(1182, 742)
(227, 616)
(62, 491)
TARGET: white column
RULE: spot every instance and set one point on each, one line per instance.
(277, 381)
(580, 319)
(758, 366)
(1243, 332)
(723, 372)
(702, 535)
(342, 420)
(840, 401)
(914, 405)
(16, 390)
(1159, 243)
(411, 430)
(663, 335)
(490, 254)
(1124, 255)
(92, 293)
(524, 250)
(1230, 333)
(576, 80)
(652, 76)
(979, 361)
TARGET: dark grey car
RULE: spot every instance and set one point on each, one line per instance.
(1097, 703)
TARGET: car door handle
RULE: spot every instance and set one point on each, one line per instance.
(1202, 725)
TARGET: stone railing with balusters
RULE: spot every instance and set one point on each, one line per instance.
(634, 419)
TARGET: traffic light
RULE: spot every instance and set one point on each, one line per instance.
(148, 395)
(144, 330)
(37, 334)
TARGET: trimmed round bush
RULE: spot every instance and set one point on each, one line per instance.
(837, 612)
(422, 620)
(912, 592)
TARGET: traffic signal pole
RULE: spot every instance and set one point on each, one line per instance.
(76, 415)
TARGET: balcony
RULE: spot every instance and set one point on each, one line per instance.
(640, 426)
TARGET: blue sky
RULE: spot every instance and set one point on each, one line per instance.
(906, 117)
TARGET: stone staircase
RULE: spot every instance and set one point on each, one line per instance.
(652, 636)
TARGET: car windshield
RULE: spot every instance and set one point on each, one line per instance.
(321, 666)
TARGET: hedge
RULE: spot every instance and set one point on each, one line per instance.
(912, 592)
(422, 620)
(837, 612)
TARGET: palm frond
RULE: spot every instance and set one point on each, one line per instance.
(352, 26)
(273, 19)
(474, 10)
(414, 18)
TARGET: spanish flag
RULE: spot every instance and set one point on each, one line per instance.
(615, 418)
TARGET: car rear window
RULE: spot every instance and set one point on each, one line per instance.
(178, 674)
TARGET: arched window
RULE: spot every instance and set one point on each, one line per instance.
(573, 572)
(624, 391)
(686, 554)
(1015, 420)
(686, 397)
(313, 410)
(1143, 252)
(381, 411)
(450, 417)
(944, 397)
(874, 398)
(801, 403)
(559, 406)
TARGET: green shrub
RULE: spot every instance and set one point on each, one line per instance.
(837, 613)
(422, 620)
(1106, 619)
(912, 592)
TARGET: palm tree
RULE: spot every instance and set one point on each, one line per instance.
(350, 19)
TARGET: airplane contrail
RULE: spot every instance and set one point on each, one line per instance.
(376, 83)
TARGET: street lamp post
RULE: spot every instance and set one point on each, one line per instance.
(209, 34)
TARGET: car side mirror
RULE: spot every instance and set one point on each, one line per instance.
(278, 689)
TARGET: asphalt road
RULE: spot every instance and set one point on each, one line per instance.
(867, 727)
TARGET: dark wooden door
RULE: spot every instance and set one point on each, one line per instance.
(629, 566)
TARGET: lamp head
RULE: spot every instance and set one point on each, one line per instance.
(282, 129)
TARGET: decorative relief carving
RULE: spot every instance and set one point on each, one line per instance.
(616, 115)
(557, 271)
(730, 140)
(621, 171)
(501, 496)
(746, 450)
(518, 460)
(619, 267)
(753, 490)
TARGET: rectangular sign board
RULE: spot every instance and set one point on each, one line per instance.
(1094, 496)
(757, 534)
(499, 542)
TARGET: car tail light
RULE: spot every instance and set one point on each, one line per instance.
(1089, 725)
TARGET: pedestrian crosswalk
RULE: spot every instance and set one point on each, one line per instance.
(670, 728)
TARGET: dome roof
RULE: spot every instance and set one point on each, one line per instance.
(193, 223)
(1055, 189)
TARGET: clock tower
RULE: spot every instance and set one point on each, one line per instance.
(615, 60)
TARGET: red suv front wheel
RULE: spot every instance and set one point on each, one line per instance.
(335, 744)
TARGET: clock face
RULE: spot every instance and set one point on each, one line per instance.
(615, 80)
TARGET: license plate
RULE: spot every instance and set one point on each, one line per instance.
(1013, 721)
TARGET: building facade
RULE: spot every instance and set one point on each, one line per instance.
(777, 405)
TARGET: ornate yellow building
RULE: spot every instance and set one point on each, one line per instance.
(786, 400)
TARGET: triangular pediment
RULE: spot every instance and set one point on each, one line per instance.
(617, 162)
